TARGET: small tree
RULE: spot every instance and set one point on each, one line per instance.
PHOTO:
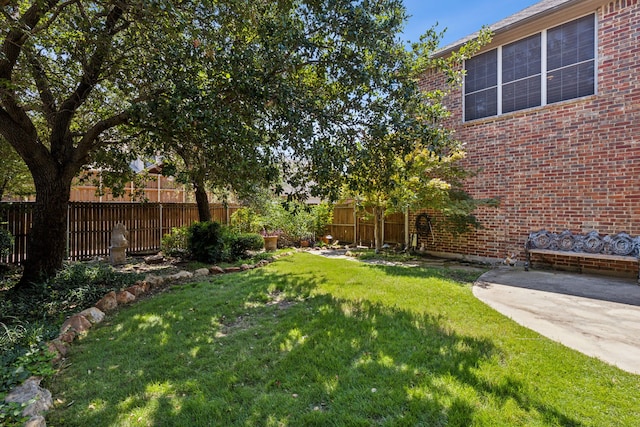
(408, 158)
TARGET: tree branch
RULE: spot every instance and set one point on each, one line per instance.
(11, 48)
(88, 81)
(54, 16)
(42, 83)
(91, 139)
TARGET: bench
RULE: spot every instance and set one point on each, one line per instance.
(620, 247)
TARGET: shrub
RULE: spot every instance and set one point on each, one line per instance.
(6, 243)
(246, 220)
(176, 243)
(205, 241)
(240, 243)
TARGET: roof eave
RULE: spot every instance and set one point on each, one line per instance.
(500, 28)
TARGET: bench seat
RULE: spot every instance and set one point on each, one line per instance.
(620, 247)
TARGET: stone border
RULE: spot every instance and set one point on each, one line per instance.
(80, 323)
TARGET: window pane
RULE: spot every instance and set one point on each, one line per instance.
(571, 43)
(481, 104)
(521, 94)
(482, 72)
(521, 59)
(571, 82)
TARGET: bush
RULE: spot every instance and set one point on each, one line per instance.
(176, 243)
(206, 242)
(6, 243)
(239, 244)
(246, 220)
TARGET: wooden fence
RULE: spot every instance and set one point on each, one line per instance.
(89, 225)
(355, 225)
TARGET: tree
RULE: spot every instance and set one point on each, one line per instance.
(69, 76)
(286, 85)
(407, 158)
(234, 86)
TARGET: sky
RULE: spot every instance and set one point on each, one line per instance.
(460, 17)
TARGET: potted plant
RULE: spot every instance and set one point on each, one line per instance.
(273, 221)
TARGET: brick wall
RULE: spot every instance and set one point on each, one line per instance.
(573, 165)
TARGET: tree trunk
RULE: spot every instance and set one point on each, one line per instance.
(47, 243)
(204, 214)
(378, 215)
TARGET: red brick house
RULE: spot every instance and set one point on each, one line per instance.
(550, 115)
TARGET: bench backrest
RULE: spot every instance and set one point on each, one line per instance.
(592, 242)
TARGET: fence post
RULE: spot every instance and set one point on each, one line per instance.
(384, 221)
(68, 244)
(355, 224)
(406, 227)
(161, 223)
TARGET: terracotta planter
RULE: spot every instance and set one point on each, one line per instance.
(270, 243)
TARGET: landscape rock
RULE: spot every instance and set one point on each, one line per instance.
(232, 269)
(216, 270)
(76, 323)
(108, 302)
(154, 259)
(154, 281)
(142, 284)
(201, 272)
(31, 389)
(181, 275)
(37, 421)
(125, 297)
(59, 348)
(245, 267)
(92, 314)
(135, 290)
(68, 336)
(262, 263)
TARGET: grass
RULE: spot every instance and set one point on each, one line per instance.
(315, 341)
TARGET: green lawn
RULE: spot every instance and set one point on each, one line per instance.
(316, 341)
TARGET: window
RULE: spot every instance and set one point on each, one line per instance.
(481, 86)
(521, 71)
(571, 60)
(547, 67)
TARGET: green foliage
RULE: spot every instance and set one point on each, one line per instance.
(77, 285)
(34, 361)
(322, 217)
(11, 412)
(294, 220)
(16, 366)
(15, 179)
(206, 241)
(31, 317)
(176, 242)
(210, 242)
(240, 243)
(246, 220)
(6, 242)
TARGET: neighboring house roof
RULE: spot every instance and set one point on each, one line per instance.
(535, 12)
